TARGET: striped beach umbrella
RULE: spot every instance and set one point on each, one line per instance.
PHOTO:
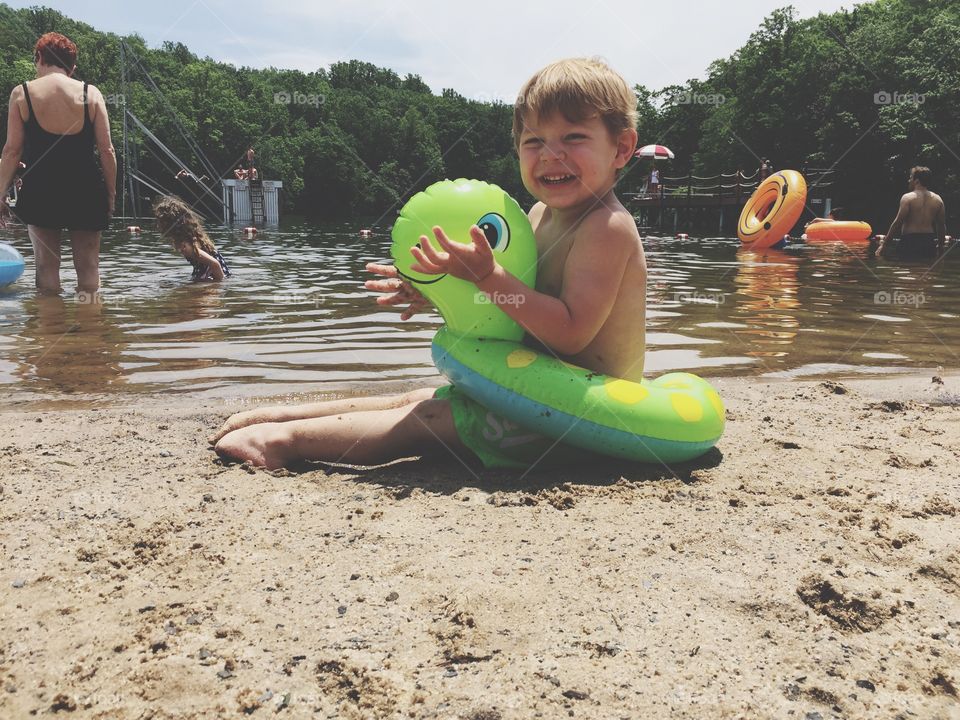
(657, 152)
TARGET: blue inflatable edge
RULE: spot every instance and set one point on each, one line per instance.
(550, 421)
(10, 271)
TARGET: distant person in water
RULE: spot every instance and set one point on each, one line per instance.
(834, 215)
(766, 169)
(919, 222)
(184, 228)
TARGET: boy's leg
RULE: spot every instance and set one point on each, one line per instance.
(368, 437)
(46, 254)
(86, 259)
(286, 413)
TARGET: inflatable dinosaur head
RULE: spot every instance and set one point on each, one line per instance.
(456, 205)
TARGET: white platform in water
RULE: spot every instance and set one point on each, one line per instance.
(236, 201)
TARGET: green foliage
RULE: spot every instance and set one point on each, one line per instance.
(359, 139)
(351, 139)
(802, 92)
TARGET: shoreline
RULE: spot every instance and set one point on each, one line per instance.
(809, 564)
(29, 400)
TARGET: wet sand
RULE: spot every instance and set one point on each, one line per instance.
(808, 568)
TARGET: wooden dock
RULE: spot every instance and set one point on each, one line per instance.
(694, 197)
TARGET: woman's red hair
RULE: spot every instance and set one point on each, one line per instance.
(57, 50)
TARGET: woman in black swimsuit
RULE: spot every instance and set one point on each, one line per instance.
(56, 123)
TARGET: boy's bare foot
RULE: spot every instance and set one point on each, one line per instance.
(240, 420)
(260, 445)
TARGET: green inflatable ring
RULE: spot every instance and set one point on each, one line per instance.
(676, 417)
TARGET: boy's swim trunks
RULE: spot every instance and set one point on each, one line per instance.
(501, 443)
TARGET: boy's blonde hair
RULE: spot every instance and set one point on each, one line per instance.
(577, 88)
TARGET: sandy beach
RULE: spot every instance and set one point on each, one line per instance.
(808, 568)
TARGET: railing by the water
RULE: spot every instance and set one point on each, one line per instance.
(714, 190)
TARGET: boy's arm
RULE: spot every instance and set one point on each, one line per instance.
(591, 281)
(592, 275)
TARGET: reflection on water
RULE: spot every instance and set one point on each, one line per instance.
(767, 290)
(295, 317)
(67, 346)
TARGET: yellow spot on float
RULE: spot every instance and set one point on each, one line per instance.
(687, 408)
(716, 402)
(675, 385)
(626, 391)
(520, 359)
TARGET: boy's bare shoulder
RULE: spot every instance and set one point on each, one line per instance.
(610, 226)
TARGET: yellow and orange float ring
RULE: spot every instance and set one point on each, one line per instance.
(772, 210)
(848, 231)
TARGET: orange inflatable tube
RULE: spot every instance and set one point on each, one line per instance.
(772, 210)
(838, 231)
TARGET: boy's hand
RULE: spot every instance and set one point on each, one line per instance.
(402, 291)
(473, 263)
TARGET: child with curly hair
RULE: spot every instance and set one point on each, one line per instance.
(177, 221)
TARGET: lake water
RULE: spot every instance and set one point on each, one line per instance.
(295, 319)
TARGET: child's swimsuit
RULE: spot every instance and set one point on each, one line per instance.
(63, 184)
(201, 271)
(917, 246)
(501, 443)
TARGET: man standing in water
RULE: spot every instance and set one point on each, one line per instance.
(920, 221)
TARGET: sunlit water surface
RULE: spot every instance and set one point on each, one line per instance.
(295, 319)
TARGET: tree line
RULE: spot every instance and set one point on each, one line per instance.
(869, 92)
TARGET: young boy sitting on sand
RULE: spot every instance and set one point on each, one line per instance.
(574, 128)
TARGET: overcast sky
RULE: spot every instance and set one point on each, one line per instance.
(483, 50)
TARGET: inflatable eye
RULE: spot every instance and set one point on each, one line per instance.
(496, 230)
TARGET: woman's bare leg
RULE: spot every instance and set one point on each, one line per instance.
(368, 437)
(86, 260)
(46, 253)
(286, 413)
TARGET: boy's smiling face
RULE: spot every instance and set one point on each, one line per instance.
(568, 164)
